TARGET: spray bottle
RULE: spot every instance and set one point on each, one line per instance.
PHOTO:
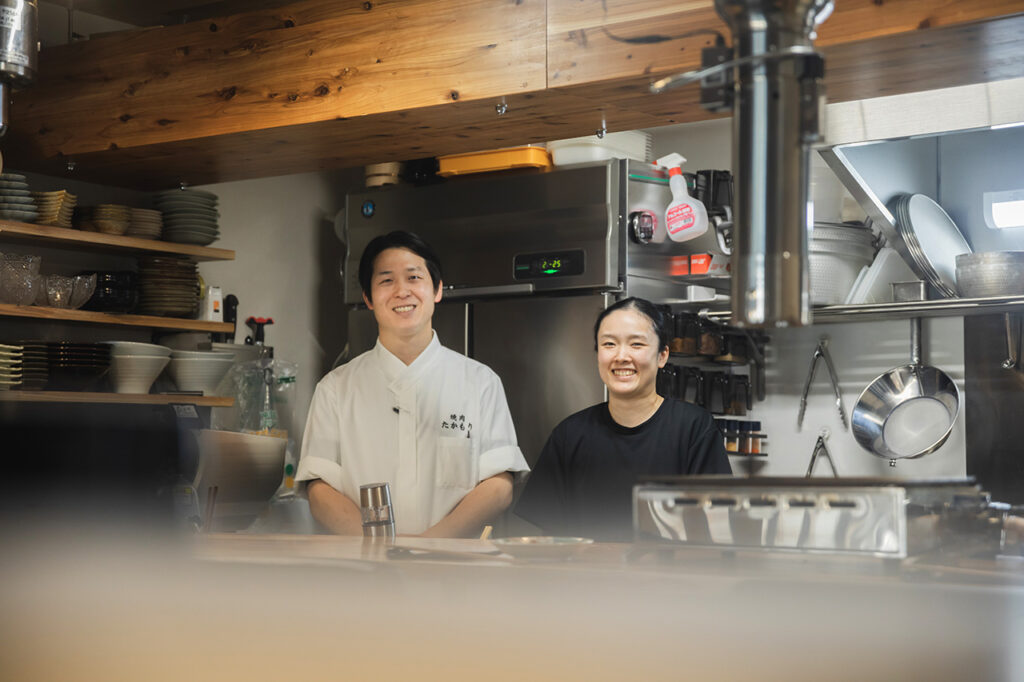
(686, 218)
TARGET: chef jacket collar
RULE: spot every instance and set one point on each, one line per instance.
(396, 372)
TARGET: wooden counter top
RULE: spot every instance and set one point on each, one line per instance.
(126, 607)
(637, 560)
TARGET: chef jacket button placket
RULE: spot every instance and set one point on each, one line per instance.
(408, 466)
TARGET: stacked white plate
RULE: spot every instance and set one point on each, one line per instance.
(10, 367)
(932, 239)
(16, 202)
(838, 253)
(145, 223)
(135, 366)
(199, 370)
(55, 208)
(189, 215)
(168, 286)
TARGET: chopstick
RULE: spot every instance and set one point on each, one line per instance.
(487, 532)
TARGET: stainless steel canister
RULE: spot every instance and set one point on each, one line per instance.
(19, 49)
(375, 504)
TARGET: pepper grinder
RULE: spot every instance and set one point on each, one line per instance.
(375, 505)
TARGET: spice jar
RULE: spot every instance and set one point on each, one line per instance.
(690, 335)
(710, 340)
(754, 447)
(732, 441)
(678, 332)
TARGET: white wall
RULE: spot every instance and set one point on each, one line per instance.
(286, 267)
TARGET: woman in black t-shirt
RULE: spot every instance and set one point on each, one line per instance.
(582, 483)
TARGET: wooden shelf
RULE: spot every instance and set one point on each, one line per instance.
(48, 235)
(112, 319)
(113, 398)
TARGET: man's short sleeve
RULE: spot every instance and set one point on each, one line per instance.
(499, 450)
(321, 448)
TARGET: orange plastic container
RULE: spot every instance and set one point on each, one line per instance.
(494, 160)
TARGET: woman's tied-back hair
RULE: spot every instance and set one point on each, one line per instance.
(657, 316)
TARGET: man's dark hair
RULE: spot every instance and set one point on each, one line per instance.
(659, 319)
(399, 239)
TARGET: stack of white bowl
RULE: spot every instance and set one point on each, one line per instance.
(838, 252)
(199, 370)
(135, 366)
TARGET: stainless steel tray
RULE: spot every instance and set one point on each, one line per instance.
(858, 516)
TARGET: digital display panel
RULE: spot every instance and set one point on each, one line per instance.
(547, 265)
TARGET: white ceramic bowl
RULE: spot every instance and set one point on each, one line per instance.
(135, 373)
(199, 374)
(202, 354)
(118, 348)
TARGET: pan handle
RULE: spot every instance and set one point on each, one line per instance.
(1013, 334)
(915, 340)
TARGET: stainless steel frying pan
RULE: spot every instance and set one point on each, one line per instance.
(909, 411)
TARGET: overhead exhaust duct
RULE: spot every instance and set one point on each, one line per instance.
(771, 78)
(19, 50)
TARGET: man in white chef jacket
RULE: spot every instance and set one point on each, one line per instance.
(432, 423)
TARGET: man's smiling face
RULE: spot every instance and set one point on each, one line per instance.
(402, 295)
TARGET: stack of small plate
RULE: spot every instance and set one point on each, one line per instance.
(168, 286)
(190, 216)
(105, 218)
(55, 208)
(35, 365)
(71, 366)
(10, 366)
(145, 223)
(16, 202)
(932, 239)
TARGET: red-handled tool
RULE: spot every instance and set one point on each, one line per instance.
(257, 324)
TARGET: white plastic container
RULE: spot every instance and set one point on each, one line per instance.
(685, 218)
(629, 144)
(876, 285)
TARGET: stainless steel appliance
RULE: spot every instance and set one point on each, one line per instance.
(853, 516)
(529, 261)
(19, 49)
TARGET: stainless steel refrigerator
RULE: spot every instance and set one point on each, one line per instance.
(529, 261)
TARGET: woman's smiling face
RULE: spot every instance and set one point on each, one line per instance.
(628, 357)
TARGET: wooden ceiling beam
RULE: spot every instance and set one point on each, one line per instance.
(300, 88)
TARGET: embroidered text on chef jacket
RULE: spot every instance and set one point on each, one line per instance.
(432, 430)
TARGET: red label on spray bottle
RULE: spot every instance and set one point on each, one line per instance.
(679, 218)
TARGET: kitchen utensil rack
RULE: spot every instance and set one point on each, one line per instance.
(947, 307)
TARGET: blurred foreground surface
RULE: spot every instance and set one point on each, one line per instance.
(135, 604)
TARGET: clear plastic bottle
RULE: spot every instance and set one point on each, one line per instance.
(686, 218)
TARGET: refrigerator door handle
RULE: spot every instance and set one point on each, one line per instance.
(453, 293)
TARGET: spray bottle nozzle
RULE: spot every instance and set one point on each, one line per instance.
(672, 161)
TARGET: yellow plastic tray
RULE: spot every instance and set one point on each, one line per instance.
(494, 160)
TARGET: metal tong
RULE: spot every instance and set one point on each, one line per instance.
(821, 449)
(821, 351)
